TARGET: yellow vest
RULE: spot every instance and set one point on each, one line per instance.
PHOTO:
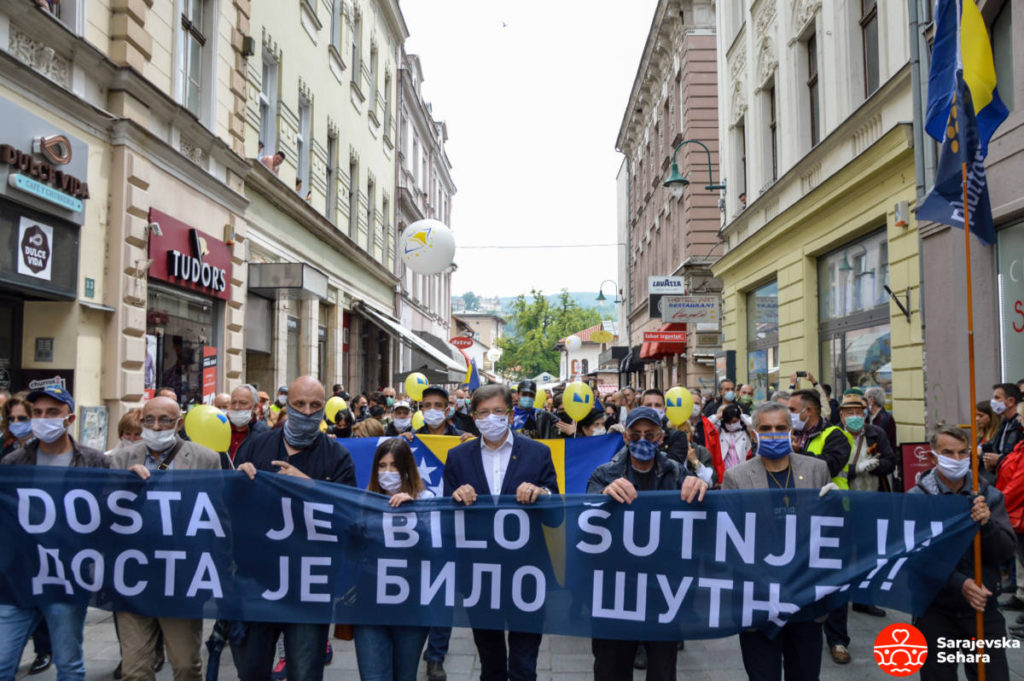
(815, 447)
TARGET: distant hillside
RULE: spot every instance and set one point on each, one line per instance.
(503, 304)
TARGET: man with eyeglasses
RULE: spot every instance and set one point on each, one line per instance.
(640, 466)
(53, 411)
(298, 449)
(161, 449)
(500, 461)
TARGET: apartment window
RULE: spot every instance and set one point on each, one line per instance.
(1002, 52)
(869, 35)
(357, 47)
(303, 142)
(336, 25)
(812, 89)
(371, 223)
(268, 104)
(331, 212)
(353, 197)
(192, 23)
(416, 162)
(773, 139)
(373, 78)
(387, 104)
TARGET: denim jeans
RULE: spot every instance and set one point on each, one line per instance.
(388, 653)
(304, 645)
(437, 643)
(66, 622)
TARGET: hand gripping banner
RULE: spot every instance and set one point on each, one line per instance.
(218, 545)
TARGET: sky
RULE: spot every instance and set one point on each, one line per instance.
(533, 93)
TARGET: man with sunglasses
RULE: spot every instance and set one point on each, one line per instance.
(640, 466)
(161, 449)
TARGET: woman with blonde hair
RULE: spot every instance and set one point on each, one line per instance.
(368, 428)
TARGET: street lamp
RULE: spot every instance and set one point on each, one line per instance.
(600, 292)
(676, 181)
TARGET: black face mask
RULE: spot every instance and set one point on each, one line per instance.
(376, 412)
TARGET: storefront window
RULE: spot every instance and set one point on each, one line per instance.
(179, 327)
(293, 349)
(763, 339)
(854, 322)
(322, 353)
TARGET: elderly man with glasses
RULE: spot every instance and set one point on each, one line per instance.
(640, 466)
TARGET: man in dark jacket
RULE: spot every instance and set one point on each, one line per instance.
(813, 436)
(242, 414)
(530, 420)
(640, 466)
(878, 416)
(726, 395)
(52, 411)
(300, 450)
(952, 614)
(1005, 397)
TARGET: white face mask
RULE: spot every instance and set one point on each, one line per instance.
(696, 411)
(159, 440)
(998, 406)
(493, 427)
(433, 417)
(402, 425)
(798, 423)
(49, 430)
(239, 417)
(390, 481)
(599, 430)
(952, 469)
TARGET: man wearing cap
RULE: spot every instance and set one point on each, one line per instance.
(401, 420)
(797, 646)
(53, 412)
(279, 402)
(161, 449)
(640, 466)
(528, 419)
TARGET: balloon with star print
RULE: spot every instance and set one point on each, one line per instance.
(428, 246)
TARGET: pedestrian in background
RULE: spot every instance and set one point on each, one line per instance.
(17, 424)
(878, 416)
(987, 422)
(129, 430)
(1005, 398)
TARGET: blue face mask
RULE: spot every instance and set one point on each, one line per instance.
(774, 445)
(20, 429)
(526, 402)
(301, 429)
(643, 450)
(854, 424)
(730, 396)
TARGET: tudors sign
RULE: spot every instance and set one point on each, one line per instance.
(184, 256)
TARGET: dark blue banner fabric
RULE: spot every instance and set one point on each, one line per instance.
(210, 544)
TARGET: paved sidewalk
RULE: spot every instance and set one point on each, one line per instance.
(562, 658)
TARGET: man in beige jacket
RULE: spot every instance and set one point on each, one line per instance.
(161, 449)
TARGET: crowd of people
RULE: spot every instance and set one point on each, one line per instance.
(802, 437)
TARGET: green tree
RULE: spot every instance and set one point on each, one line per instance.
(472, 301)
(539, 324)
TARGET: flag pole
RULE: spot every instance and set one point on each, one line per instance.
(979, 617)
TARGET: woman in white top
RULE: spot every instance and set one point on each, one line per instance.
(733, 435)
(392, 653)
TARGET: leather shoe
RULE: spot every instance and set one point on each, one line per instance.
(840, 654)
(640, 660)
(872, 610)
(1011, 603)
(435, 671)
(41, 664)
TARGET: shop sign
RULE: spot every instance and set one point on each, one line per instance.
(685, 309)
(187, 257)
(35, 248)
(40, 379)
(209, 373)
(44, 167)
(664, 336)
(659, 287)
(462, 342)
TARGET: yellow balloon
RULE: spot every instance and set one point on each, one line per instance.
(578, 400)
(207, 426)
(415, 384)
(678, 405)
(417, 420)
(540, 399)
(333, 406)
(323, 426)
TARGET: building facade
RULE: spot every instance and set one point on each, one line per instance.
(321, 91)
(674, 98)
(820, 168)
(424, 190)
(998, 278)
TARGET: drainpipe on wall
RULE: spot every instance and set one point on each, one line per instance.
(629, 268)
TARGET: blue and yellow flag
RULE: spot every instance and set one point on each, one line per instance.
(964, 109)
(472, 381)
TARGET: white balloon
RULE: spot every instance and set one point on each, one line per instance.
(494, 354)
(573, 343)
(428, 246)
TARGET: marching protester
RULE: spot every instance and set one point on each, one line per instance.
(733, 436)
(797, 647)
(161, 449)
(640, 466)
(952, 614)
(812, 434)
(1005, 398)
(825, 407)
(878, 416)
(527, 418)
(434, 405)
(987, 421)
(401, 421)
(592, 424)
(510, 464)
(462, 419)
(53, 411)
(222, 402)
(392, 652)
(242, 415)
(129, 430)
(368, 428)
(279, 402)
(726, 395)
(17, 424)
(299, 450)
(745, 398)
(1011, 483)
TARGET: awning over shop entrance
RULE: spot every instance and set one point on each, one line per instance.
(437, 361)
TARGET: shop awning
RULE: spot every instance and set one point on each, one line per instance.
(654, 350)
(287, 280)
(437, 359)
